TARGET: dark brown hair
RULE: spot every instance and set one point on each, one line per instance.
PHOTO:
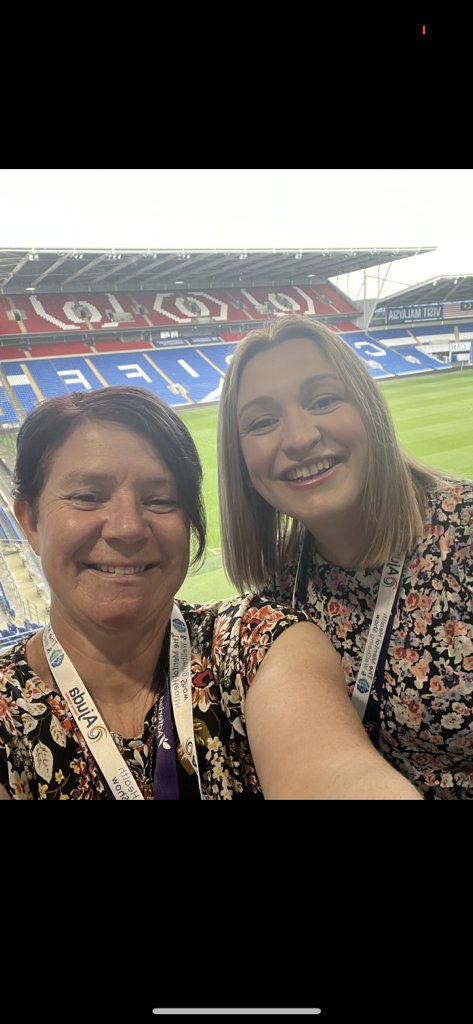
(50, 424)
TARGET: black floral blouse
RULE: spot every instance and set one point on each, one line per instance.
(43, 755)
(423, 715)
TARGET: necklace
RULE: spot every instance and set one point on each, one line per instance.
(147, 767)
(146, 775)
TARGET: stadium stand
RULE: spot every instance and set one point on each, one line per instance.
(178, 341)
(67, 313)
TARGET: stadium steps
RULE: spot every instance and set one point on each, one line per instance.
(9, 591)
(27, 588)
(10, 393)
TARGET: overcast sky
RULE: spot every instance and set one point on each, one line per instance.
(168, 209)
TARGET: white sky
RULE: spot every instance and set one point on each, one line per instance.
(163, 209)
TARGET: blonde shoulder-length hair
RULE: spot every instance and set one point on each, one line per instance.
(257, 538)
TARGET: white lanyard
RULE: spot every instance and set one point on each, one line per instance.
(388, 588)
(180, 682)
(91, 724)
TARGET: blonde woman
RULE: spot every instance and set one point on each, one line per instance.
(321, 508)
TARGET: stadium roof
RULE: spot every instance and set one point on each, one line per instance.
(439, 289)
(108, 270)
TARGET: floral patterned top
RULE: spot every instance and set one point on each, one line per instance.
(423, 714)
(43, 755)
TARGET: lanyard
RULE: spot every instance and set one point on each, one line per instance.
(379, 630)
(380, 627)
(181, 688)
(96, 734)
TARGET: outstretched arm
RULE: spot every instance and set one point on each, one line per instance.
(306, 738)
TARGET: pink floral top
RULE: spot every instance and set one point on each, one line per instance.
(423, 714)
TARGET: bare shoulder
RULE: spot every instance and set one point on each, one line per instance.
(3, 793)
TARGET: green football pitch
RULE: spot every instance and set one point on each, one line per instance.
(434, 421)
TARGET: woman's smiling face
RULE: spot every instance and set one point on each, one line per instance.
(303, 440)
(112, 537)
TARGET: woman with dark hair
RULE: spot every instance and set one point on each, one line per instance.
(128, 694)
(321, 509)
